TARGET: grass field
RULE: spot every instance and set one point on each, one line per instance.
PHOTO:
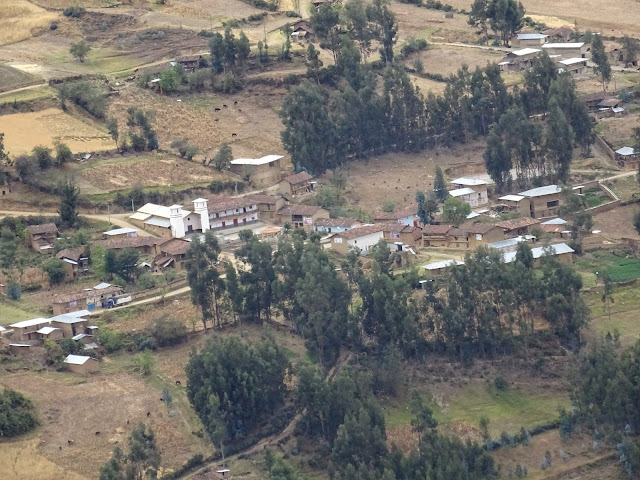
(20, 18)
(23, 131)
(624, 313)
(36, 93)
(620, 266)
(625, 187)
(12, 312)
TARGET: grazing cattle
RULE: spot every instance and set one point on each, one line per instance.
(60, 447)
(236, 102)
(224, 106)
(216, 109)
(216, 120)
(178, 382)
(234, 135)
(97, 433)
(162, 399)
(127, 422)
(70, 442)
(240, 110)
(148, 414)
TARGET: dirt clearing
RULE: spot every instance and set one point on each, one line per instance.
(447, 60)
(23, 131)
(72, 407)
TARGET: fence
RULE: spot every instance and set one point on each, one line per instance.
(605, 146)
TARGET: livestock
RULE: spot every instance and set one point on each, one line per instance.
(178, 382)
(224, 106)
(148, 414)
(97, 433)
(234, 135)
(216, 109)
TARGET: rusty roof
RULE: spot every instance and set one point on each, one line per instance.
(411, 209)
(297, 178)
(175, 246)
(436, 229)
(481, 228)
(518, 223)
(42, 228)
(129, 242)
(220, 204)
(71, 253)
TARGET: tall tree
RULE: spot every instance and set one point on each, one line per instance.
(478, 17)
(455, 211)
(203, 276)
(69, 194)
(506, 17)
(325, 21)
(600, 58)
(385, 28)
(559, 140)
(8, 249)
(439, 186)
(631, 48)
(257, 278)
(427, 206)
(139, 463)
(313, 63)
(497, 159)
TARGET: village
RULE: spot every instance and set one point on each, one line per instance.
(223, 224)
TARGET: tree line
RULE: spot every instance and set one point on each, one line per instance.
(353, 109)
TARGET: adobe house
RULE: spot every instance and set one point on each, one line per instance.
(302, 31)
(27, 330)
(190, 63)
(81, 364)
(41, 237)
(543, 201)
(172, 253)
(407, 215)
(483, 233)
(627, 158)
(560, 34)
(120, 232)
(457, 238)
(75, 262)
(518, 60)
(143, 245)
(523, 40)
(575, 66)
(362, 238)
(264, 171)
(70, 325)
(567, 49)
(336, 225)
(267, 206)
(229, 212)
(435, 235)
(407, 234)
(562, 252)
(519, 226)
(49, 333)
(296, 184)
(301, 216)
(89, 299)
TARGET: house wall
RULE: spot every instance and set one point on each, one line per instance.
(55, 335)
(539, 206)
(164, 232)
(90, 366)
(70, 271)
(569, 52)
(71, 329)
(260, 175)
(234, 217)
(66, 307)
(434, 241)
(532, 43)
(285, 188)
(460, 243)
(493, 235)
(365, 242)
(331, 229)
(564, 258)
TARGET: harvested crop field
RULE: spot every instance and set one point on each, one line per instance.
(20, 19)
(13, 78)
(430, 24)
(23, 131)
(72, 407)
(447, 60)
(119, 173)
(23, 460)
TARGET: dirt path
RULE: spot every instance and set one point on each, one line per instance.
(20, 89)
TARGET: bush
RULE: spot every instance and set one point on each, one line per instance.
(292, 14)
(256, 17)
(63, 153)
(86, 95)
(388, 206)
(146, 281)
(42, 156)
(168, 331)
(205, 33)
(500, 383)
(413, 45)
(54, 267)
(13, 291)
(53, 26)
(73, 12)
(17, 414)
(25, 167)
(113, 341)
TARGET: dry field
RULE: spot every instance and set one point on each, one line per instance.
(20, 19)
(253, 119)
(617, 223)
(23, 131)
(72, 407)
(23, 460)
(447, 60)
(618, 131)
(610, 17)
(397, 176)
(421, 22)
(12, 78)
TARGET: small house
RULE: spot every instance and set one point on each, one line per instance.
(406, 234)
(524, 40)
(562, 252)
(515, 203)
(81, 364)
(263, 171)
(435, 235)
(407, 215)
(518, 59)
(436, 269)
(302, 32)
(71, 324)
(42, 237)
(567, 50)
(75, 261)
(484, 233)
(230, 212)
(575, 66)
(560, 34)
(120, 232)
(101, 296)
(519, 226)
(301, 216)
(49, 333)
(362, 238)
(27, 330)
(143, 245)
(267, 206)
(172, 253)
(336, 225)
(458, 238)
(627, 157)
(543, 201)
(296, 184)
(190, 63)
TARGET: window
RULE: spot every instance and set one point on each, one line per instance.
(272, 164)
(555, 203)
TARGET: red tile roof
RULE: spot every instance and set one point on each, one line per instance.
(175, 246)
(518, 223)
(220, 204)
(435, 229)
(129, 242)
(481, 228)
(297, 178)
(342, 222)
(71, 253)
(411, 209)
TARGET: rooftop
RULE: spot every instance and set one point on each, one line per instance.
(121, 231)
(361, 231)
(625, 151)
(42, 228)
(299, 210)
(76, 359)
(468, 181)
(85, 294)
(481, 228)
(47, 330)
(461, 191)
(518, 223)
(341, 222)
(263, 198)
(175, 246)
(256, 161)
(441, 264)
(572, 61)
(531, 36)
(435, 229)
(411, 209)
(508, 242)
(66, 318)
(30, 323)
(128, 242)
(152, 209)
(71, 253)
(512, 198)
(541, 191)
(555, 221)
(563, 45)
(557, 249)
(297, 178)
(525, 51)
(221, 204)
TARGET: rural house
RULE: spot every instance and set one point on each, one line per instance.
(560, 34)
(302, 32)
(190, 63)
(41, 237)
(575, 66)
(543, 201)
(171, 253)
(457, 238)
(103, 295)
(483, 233)
(120, 232)
(301, 216)
(81, 364)
(562, 252)
(519, 226)
(173, 221)
(260, 172)
(567, 50)
(508, 244)
(514, 203)
(296, 184)
(405, 234)
(407, 215)
(336, 225)
(143, 245)
(626, 157)
(267, 206)
(435, 235)
(523, 40)
(518, 59)
(436, 269)
(70, 324)
(27, 330)
(229, 212)
(75, 262)
(362, 238)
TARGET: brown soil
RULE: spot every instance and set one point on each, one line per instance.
(617, 223)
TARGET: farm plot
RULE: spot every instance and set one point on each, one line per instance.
(112, 404)
(617, 131)
(617, 223)
(624, 313)
(13, 78)
(19, 19)
(23, 131)
(447, 60)
(431, 25)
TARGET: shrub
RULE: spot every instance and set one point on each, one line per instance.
(42, 156)
(25, 167)
(86, 95)
(146, 281)
(63, 153)
(17, 414)
(181, 144)
(73, 12)
(55, 270)
(388, 206)
(256, 17)
(13, 291)
(112, 341)
(168, 331)
(53, 26)
(293, 14)
(413, 45)
(144, 362)
(205, 33)
(500, 383)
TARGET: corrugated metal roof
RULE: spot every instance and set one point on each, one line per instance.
(461, 191)
(30, 323)
(256, 161)
(442, 264)
(557, 249)
(468, 181)
(47, 330)
(76, 359)
(563, 45)
(625, 151)
(512, 198)
(555, 221)
(525, 51)
(572, 61)
(158, 222)
(121, 231)
(540, 191)
(531, 36)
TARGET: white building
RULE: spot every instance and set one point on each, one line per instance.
(229, 212)
(173, 221)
